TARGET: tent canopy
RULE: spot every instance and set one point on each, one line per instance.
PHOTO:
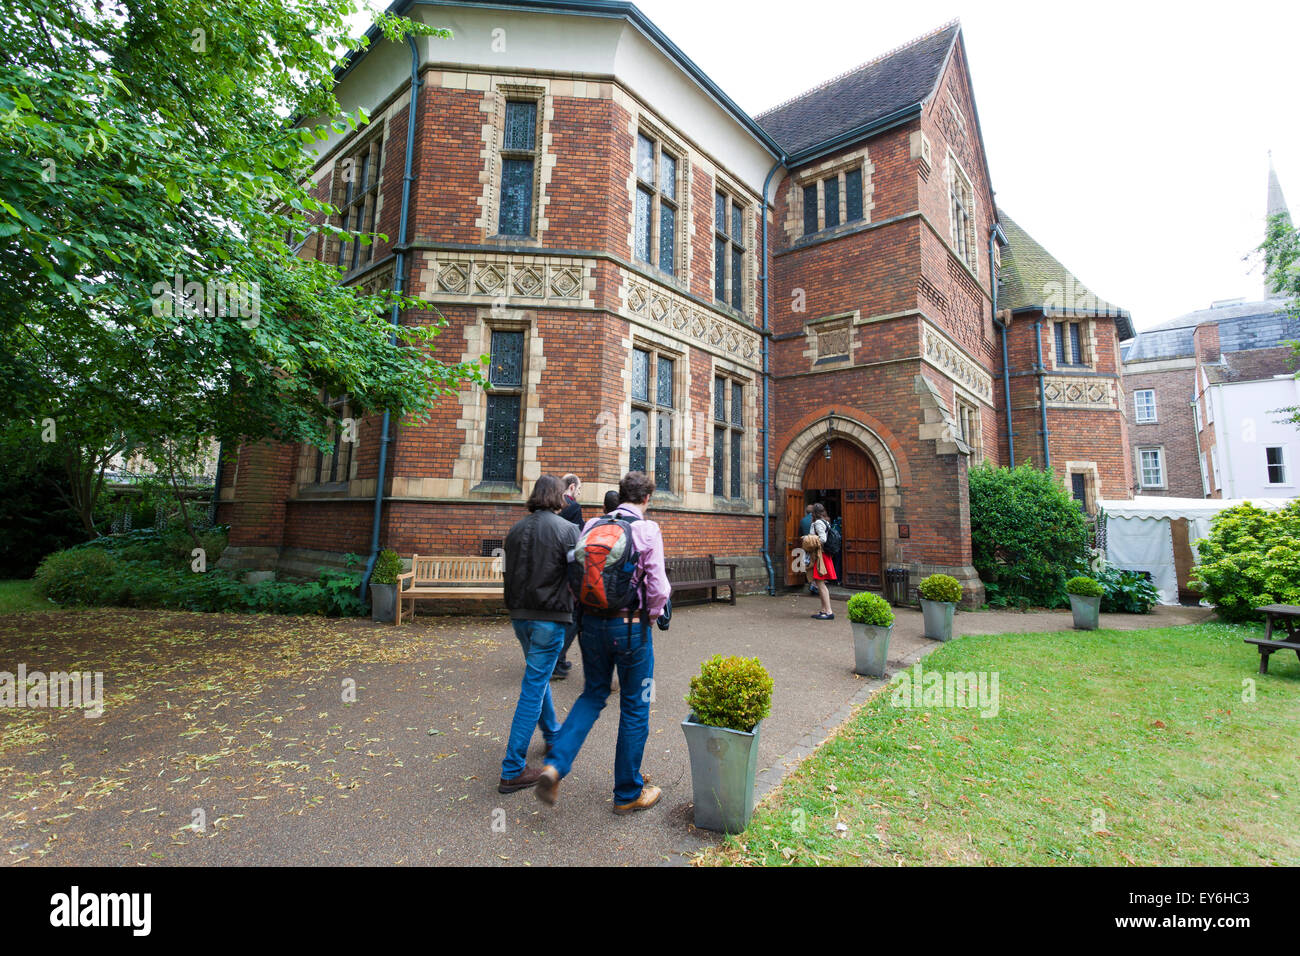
(1152, 507)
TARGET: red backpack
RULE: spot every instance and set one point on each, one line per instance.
(601, 566)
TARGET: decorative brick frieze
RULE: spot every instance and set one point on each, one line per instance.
(647, 303)
(941, 352)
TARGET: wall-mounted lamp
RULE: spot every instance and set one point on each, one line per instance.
(830, 420)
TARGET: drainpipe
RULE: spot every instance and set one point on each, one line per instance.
(1042, 391)
(399, 284)
(767, 477)
(996, 234)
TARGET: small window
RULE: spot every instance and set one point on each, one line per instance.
(1144, 404)
(651, 416)
(853, 195)
(1275, 458)
(728, 437)
(810, 209)
(518, 164)
(729, 251)
(358, 203)
(504, 406)
(968, 421)
(1152, 466)
(655, 239)
(1079, 488)
(1069, 343)
(336, 464)
(960, 204)
(831, 190)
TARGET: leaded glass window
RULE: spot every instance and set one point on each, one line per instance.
(504, 404)
(358, 204)
(810, 209)
(729, 251)
(651, 417)
(655, 239)
(728, 437)
(853, 195)
(831, 190)
(518, 166)
(336, 463)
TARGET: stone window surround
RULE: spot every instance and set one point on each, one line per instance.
(489, 200)
(814, 175)
(309, 455)
(642, 124)
(1091, 486)
(1164, 466)
(1087, 336)
(724, 184)
(748, 477)
(328, 247)
(467, 471)
(969, 411)
(681, 450)
(953, 169)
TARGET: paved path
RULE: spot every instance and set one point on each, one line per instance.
(402, 795)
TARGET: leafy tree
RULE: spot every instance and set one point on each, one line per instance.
(1251, 558)
(1027, 534)
(1281, 251)
(145, 144)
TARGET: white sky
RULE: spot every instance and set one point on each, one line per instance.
(1130, 138)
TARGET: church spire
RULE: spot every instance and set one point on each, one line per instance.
(1276, 201)
(1276, 207)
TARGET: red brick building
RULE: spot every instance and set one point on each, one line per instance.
(759, 312)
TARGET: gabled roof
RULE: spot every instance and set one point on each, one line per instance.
(1031, 279)
(893, 83)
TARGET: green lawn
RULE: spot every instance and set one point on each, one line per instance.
(17, 596)
(1108, 747)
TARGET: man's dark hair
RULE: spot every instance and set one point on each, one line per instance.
(548, 494)
(635, 487)
(808, 510)
(569, 481)
(611, 500)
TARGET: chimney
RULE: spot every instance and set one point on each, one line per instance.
(1205, 343)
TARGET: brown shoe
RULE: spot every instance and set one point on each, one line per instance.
(649, 797)
(525, 780)
(548, 785)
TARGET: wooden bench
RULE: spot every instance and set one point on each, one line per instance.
(448, 576)
(1286, 616)
(700, 574)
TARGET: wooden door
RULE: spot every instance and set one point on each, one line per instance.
(850, 471)
(793, 512)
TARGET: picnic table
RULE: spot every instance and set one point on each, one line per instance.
(1285, 617)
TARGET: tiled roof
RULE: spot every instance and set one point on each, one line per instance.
(1242, 326)
(1252, 365)
(1032, 278)
(895, 81)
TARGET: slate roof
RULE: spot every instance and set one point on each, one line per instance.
(892, 82)
(1242, 326)
(1252, 365)
(1032, 278)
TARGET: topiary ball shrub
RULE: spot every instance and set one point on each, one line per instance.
(872, 609)
(76, 576)
(387, 567)
(731, 692)
(1083, 587)
(941, 587)
(1251, 558)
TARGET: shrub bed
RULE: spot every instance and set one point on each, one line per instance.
(1251, 558)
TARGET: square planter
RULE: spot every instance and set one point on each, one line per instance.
(1086, 610)
(938, 619)
(870, 649)
(723, 765)
(383, 603)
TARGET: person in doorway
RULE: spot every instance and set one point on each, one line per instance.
(618, 639)
(805, 529)
(572, 512)
(540, 600)
(822, 569)
(835, 545)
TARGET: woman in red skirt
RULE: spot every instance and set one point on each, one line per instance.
(821, 568)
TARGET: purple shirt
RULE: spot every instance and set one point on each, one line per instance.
(650, 569)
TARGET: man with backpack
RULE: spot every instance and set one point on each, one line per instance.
(620, 580)
(540, 600)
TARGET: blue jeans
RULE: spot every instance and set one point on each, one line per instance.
(606, 645)
(541, 641)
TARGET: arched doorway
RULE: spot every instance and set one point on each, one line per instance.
(848, 484)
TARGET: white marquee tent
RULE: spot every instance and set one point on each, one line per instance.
(1138, 535)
